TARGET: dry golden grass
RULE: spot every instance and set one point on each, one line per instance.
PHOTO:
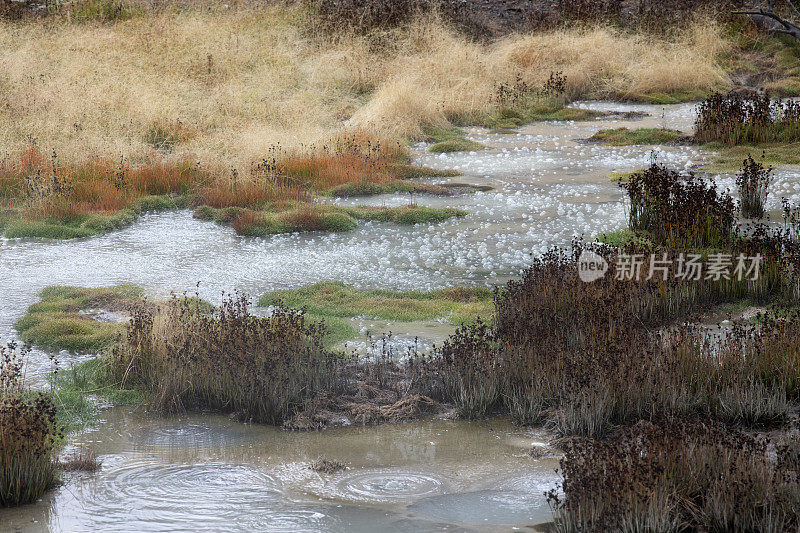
(240, 80)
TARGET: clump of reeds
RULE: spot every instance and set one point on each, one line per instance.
(263, 368)
(676, 475)
(753, 182)
(27, 434)
(678, 209)
(736, 118)
(585, 357)
(84, 461)
(514, 98)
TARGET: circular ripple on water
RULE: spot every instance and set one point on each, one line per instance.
(389, 486)
(163, 497)
(285, 520)
(190, 435)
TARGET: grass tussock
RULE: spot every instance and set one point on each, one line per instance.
(449, 139)
(28, 434)
(235, 84)
(642, 136)
(335, 299)
(320, 217)
(749, 118)
(753, 183)
(71, 318)
(261, 367)
(584, 358)
(674, 475)
(84, 461)
(678, 209)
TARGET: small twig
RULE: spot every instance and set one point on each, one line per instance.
(794, 9)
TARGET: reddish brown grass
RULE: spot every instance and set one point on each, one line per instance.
(322, 172)
(44, 187)
(247, 220)
(41, 186)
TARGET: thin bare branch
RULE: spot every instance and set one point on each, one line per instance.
(794, 9)
(790, 28)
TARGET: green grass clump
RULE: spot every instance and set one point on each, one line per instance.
(410, 172)
(406, 214)
(101, 10)
(329, 299)
(55, 321)
(329, 218)
(351, 190)
(21, 229)
(451, 139)
(84, 225)
(456, 145)
(624, 136)
(508, 119)
(401, 173)
(76, 389)
(623, 176)
(672, 97)
(730, 157)
(625, 237)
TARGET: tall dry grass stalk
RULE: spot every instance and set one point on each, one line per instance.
(674, 475)
(264, 368)
(226, 84)
(586, 357)
(27, 434)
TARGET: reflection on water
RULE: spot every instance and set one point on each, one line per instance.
(157, 477)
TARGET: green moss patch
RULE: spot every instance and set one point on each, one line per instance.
(334, 299)
(508, 120)
(730, 158)
(451, 139)
(327, 218)
(60, 320)
(624, 238)
(624, 136)
(671, 97)
(86, 225)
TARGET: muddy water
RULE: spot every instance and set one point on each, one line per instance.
(208, 473)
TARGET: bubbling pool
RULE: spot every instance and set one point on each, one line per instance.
(206, 472)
